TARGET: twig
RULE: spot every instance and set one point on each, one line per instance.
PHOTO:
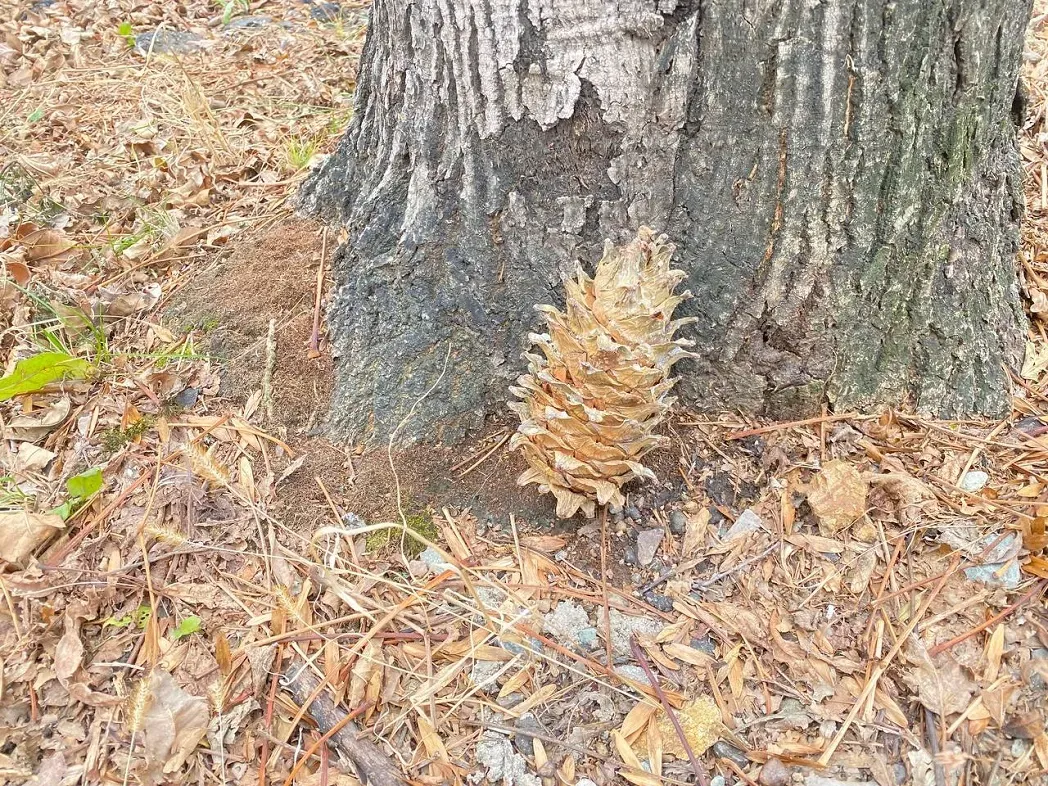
(371, 764)
(486, 456)
(314, 337)
(604, 583)
(882, 667)
(933, 742)
(724, 573)
(267, 375)
(943, 646)
(794, 424)
(642, 659)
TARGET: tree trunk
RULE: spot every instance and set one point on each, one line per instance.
(840, 178)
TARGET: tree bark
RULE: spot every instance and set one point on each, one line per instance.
(840, 178)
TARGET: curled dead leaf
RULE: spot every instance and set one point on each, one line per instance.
(22, 533)
(174, 723)
(837, 496)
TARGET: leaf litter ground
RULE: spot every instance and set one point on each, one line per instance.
(849, 600)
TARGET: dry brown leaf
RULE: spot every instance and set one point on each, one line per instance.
(912, 499)
(695, 533)
(22, 533)
(837, 496)
(47, 245)
(69, 653)
(637, 718)
(688, 654)
(635, 773)
(33, 428)
(174, 723)
(994, 650)
(546, 543)
(941, 685)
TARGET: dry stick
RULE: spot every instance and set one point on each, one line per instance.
(942, 647)
(725, 573)
(371, 764)
(642, 659)
(314, 337)
(882, 667)
(486, 456)
(267, 374)
(604, 582)
(793, 424)
(327, 735)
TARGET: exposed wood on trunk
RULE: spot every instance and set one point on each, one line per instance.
(840, 178)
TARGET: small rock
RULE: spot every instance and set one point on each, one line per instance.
(640, 502)
(1037, 675)
(774, 773)
(716, 518)
(248, 23)
(435, 561)
(717, 780)
(664, 497)
(720, 489)
(705, 644)
(510, 700)
(522, 742)
(623, 626)
(678, 522)
(187, 398)
(748, 521)
(631, 672)
(561, 555)
(503, 764)
(974, 481)
(724, 750)
(564, 623)
(629, 556)
(585, 782)
(632, 512)
(168, 42)
(1004, 575)
(661, 602)
(483, 674)
(811, 779)
(587, 638)
(648, 541)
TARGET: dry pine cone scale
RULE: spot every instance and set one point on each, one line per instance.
(600, 385)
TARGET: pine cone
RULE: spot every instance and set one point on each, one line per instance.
(591, 401)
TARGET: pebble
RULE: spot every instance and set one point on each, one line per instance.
(587, 638)
(774, 773)
(648, 541)
(748, 521)
(168, 42)
(633, 513)
(561, 555)
(585, 782)
(720, 489)
(187, 398)
(522, 742)
(724, 750)
(432, 558)
(678, 522)
(564, 623)
(974, 481)
(629, 556)
(705, 644)
(661, 602)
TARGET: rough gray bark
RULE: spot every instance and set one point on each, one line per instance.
(840, 178)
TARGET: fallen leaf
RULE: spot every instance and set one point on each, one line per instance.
(33, 373)
(32, 428)
(32, 458)
(69, 653)
(174, 723)
(912, 499)
(50, 245)
(22, 533)
(941, 685)
(837, 496)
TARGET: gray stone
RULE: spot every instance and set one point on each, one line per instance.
(748, 521)
(587, 638)
(1005, 575)
(624, 626)
(724, 750)
(522, 742)
(504, 765)
(169, 42)
(811, 779)
(648, 541)
(434, 560)
(774, 773)
(678, 522)
(564, 623)
(631, 672)
(633, 513)
(661, 602)
(483, 674)
(585, 782)
(974, 481)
